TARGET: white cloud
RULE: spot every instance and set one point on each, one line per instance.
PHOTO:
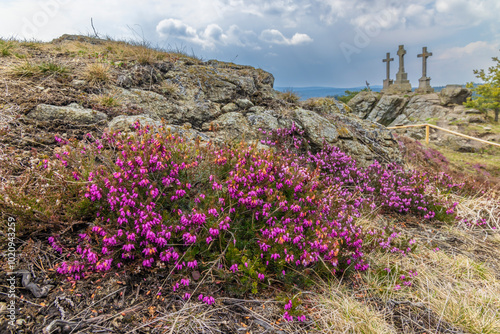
(175, 28)
(276, 37)
(475, 49)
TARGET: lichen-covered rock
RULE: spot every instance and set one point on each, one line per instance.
(244, 103)
(388, 108)
(316, 127)
(73, 113)
(230, 127)
(230, 107)
(420, 108)
(454, 94)
(363, 103)
(158, 106)
(126, 123)
(265, 120)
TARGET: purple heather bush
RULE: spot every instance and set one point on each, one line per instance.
(249, 216)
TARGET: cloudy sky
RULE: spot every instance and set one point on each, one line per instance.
(337, 43)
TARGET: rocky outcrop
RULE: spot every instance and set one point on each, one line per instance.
(71, 113)
(216, 101)
(388, 108)
(363, 103)
(392, 109)
(421, 108)
(454, 94)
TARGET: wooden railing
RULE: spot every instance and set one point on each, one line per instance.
(427, 126)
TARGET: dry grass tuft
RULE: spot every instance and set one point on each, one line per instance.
(97, 74)
(336, 310)
(289, 96)
(480, 207)
(454, 289)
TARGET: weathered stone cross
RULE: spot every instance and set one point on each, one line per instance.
(388, 60)
(424, 55)
(401, 53)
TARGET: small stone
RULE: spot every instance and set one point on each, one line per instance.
(256, 109)
(196, 275)
(78, 83)
(244, 103)
(230, 107)
(20, 322)
(487, 128)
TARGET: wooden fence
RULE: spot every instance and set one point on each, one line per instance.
(427, 126)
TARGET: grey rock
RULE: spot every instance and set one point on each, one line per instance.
(316, 127)
(230, 107)
(158, 106)
(454, 94)
(388, 108)
(421, 108)
(265, 120)
(244, 103)
(125, 123)
(73, 113)
(363, 103)
(476, 119)
(256, 109)
(78, 83)
(230, 127)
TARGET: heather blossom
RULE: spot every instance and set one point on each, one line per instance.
(256, 213)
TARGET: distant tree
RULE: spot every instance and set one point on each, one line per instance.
(488, 94)
(348, 95)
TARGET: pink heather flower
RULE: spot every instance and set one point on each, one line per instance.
(209, 300)
(397, 287)
(234, 268)
(246, 264)
(407, 283)
(288, 305)
(213, 231)
(402, 277)
(175, 286)
(261, 276)
(192, 264)
(287, 316)
(200, 297)
(186, 296)
(209, 239)
(75, 176)
(128, 247)
(275, 256)
(185, 281)
(302, 318)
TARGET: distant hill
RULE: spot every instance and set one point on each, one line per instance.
(313, 91)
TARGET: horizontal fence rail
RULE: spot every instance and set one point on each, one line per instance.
(427, 126)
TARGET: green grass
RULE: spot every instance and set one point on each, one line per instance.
(52, 68)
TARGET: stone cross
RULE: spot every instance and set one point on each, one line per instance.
(388, 60)
(401, 53)
(402, 84)
(424, 55)
(424, 83)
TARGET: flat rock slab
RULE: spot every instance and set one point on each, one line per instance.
(125, 124)
(73, 113)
